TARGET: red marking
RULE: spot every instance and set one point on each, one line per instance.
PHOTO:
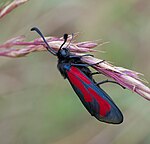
(103, 104)
(75, 77)
(78, 73)
(75, 80)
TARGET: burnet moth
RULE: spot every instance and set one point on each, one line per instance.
(96, 101)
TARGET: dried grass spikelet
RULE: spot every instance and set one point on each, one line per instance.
(127, 78)
(7, 8)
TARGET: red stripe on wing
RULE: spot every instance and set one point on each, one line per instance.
(78, 73)
(76, 77)
(73, 75)
(103, 104)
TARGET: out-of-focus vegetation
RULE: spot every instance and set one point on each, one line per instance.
(38, 107)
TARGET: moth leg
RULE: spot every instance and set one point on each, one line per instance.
(88, 55)
(80, 65)
(74, 56)
(97, 63)
(86, 65)
(95, 73)
(106, 81)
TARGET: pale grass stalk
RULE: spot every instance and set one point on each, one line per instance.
(6, 9)
(18, 47)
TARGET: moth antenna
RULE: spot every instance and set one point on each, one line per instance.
(48, 47)
(65, 39)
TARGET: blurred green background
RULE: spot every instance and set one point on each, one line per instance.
(37, 106)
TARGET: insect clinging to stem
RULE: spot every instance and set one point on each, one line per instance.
(94, 98)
